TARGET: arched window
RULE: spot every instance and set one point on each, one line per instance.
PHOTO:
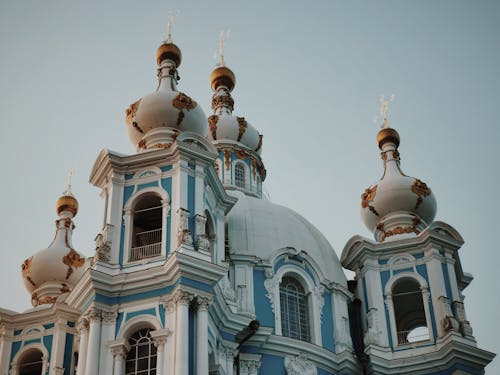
(147, 227)
(239, 175)
(30, 363)
(409, 312)
(294, 310)
(141, 358)
(210, 232)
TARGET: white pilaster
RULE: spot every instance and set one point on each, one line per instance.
(107, 334)
(342, 337)
(92, 362)
(169, 346)
(202, 337)
(159, 339)
(182, 333)
(83, 329)
(58, 346)
(114, 214)
(119, 349)
(5, 348)
(437, 287)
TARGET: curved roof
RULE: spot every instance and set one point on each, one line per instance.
(258, 227)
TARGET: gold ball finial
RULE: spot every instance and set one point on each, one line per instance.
(169, 51)
(67, 203)
(222, 76)
(386, 135)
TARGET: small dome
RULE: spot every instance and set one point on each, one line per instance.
(227, 127)
(155, 120)
(397, 204)
(258, 228)
(222, 76)
(55, 270)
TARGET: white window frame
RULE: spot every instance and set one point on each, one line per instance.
(247, 174)
(128, 221)
(37, 346)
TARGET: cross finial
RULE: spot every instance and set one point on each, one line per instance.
(219, 54)
(169, 28)
(68, 183)
(384, 107)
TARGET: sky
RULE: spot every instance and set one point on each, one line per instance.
(309, 77)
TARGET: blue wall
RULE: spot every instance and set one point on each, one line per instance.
(263, 308)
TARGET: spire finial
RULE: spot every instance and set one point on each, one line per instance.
(219, 53)
(170, 23)
(384, 107)
(68, 191)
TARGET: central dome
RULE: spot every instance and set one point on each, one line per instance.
(258, 227)
(155, 120)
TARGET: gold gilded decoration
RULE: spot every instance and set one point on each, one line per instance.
(223, 101)
(398, 230)
(141, 144)
(421, 189)
(254, 168)
(227, 158)
(65, 288)
(67, 203)
(212, 123)
(259, 146)
(387, 135)
(395, 154)
(72, 260)
(26, 266)
(35, 301)
(243, 126)
(131, 111)
(162, 145)
(367, 197)
(182, 101)
(241, 154)
(222, 76)
(30, 280)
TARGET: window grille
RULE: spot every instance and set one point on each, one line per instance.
(147, 228)
(141, 359)
(239, 175)
(294, 310)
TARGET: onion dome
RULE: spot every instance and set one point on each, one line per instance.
(155, 120)
(224, 126)
(397, 206)
(54, 271)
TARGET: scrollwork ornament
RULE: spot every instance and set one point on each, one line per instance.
(299, 365)
(270, 284)
(318, 294)
(367, 197)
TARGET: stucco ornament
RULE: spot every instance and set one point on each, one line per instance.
(374, 333)
(184, 234)
(299, 365)
(318, 294)
(227, 289)
(271, 284)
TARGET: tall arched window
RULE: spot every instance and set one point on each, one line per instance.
(294, 310)
(31, 363)
(141, 359)
(409, 312)
(147, 227)
(239, 175)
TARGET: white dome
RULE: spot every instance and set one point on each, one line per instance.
(258, 227)
(225, 127)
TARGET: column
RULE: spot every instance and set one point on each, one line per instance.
(119, 351)
(58, 347)
(92, 362)
(182, 300)
(202, 337)
(107, 334)
(159, 339)
(83, 330)
(437, 288)
(5, 348)
(169, 346)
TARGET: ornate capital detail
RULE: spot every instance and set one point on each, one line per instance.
(250, 367)
(183, 298)
(82, 325)
(94, 314)
(160, 337)
(227, 289)
(109, 316)
(203, 303)
(120, 350)
(102, 249)
(271, 283)
(299, 365)
(223, 101)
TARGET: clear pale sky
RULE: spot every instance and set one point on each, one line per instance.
(309, 77)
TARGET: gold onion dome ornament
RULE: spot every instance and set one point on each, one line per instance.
(225, 127)
(155, 120)
(53, 272)
(397, 206)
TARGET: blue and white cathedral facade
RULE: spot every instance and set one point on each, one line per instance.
(196, 272)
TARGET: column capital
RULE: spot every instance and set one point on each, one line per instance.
(182, 297)
(94, 314)
(203, 303)
(119, 348)
(109, 317)
(82, 325)
(160, 336)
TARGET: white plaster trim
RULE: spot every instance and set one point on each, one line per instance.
(38, 346)
(137, 323)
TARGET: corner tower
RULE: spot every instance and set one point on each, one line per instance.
(408, 314)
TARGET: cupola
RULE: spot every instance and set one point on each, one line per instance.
(155, 120)
(397, 206)
(54, 271)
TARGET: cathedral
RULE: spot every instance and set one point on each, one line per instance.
(197, 272)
